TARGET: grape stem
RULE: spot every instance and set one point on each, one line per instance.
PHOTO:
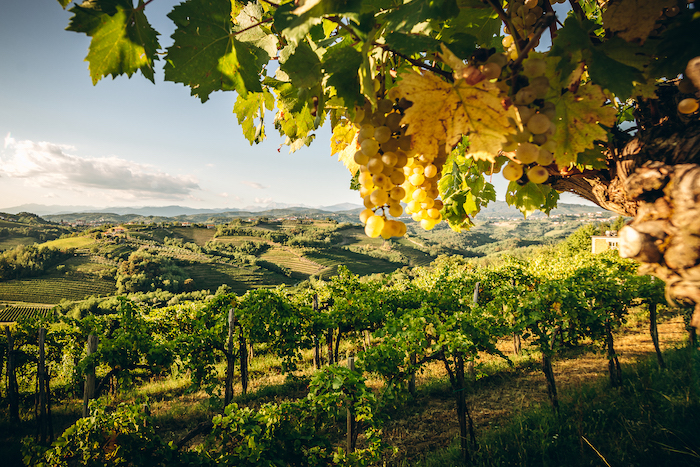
(259, 23)
(545, 22)
(519, 42)
(553, 26)
(577, 9)
(415, 62)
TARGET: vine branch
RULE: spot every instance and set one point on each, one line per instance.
(259, 23)
(506, 20)
(417, 63)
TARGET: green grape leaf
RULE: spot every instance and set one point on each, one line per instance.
(294, 21)
(410, 44)
(341, 63)
(303, 66)
(122, 39)
(674, 49)
(579, 116)
(250, 108)
(592, 159)
(64, 3)
(205, 54)
(251, 15)
(531, 197)
(476, 20)
(344, 143)
(443, 112)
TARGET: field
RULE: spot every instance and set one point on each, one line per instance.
(11, 313)
(239, 278)
(53, 288)
(71, 242)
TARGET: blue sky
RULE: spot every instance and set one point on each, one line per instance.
(127, 142)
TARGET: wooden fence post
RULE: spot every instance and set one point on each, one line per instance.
(412, 379)
(230, 362)
(89, 391)
(654, 331)
(470, 364)
(317, 344)
(351, 428)
(12, 388)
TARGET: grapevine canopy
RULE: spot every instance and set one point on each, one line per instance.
(471, 74)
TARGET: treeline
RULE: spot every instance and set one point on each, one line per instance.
(29, 261)
(144, 271)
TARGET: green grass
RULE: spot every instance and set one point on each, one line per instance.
(70, 242)
(651, 421)
(193, 234)
(9, 243)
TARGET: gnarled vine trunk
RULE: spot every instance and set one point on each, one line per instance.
(654, 176)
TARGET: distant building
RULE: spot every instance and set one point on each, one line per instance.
(601, 243)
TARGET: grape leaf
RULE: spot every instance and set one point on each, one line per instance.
(675, 48)
(294, 22)
(633, 20)
(251, 107)
(406, 16)
(64, 3)
(205, 54)
(476, 20)
(579, 116)
(409, 44)
(445, 112)
(303, 66)
(341, 64)
(531, 197)
(244, 26)
(122, 39)
(344, 143)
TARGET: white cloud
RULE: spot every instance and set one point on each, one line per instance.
(263, 200)
(49, 165)
(256, 185)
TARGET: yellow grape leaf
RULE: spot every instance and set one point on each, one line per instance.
(344, 143)
(579, 116)
(444, 111)
(633, 20)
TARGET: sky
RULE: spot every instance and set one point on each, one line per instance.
(128, 142)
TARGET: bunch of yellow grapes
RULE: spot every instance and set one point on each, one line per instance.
(532, 146)
(392, 173)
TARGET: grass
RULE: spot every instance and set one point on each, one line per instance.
(70, 242)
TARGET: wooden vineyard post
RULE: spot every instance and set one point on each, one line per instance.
(42, 397)
(654, 331)
(230, 362)
(462, 408)
(12, 388)
(613, 362)
(351, 425)
(89, 392)
(243, 349)
(470, 364)
(317, 344)
(517, 344)
(412, 380)
(329, 341)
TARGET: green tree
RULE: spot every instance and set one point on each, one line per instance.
(436, 87)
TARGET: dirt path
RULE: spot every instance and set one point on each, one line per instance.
(431, 423)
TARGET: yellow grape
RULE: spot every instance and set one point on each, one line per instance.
(507, 41)
(418, 169)
(397, 177)
(525, 112)
(370, 147)
(545, 157)
(359, 115)
(430, 171)
(413, 206)
(537, 174)
(416, 179)
(361, 158)
(365, 179)
(538, 124)
(367, 201)
(378, 119)
(375, 165)
(374, 226)
(688, 106)
(366, 190)
(390, 146)
(490, 70)
(512, 171)
(405, 143)
(401, 158)
(438, 204)
(427, 203)
(419, 195)
(379, 197)
(434, 213)
(367, 131)
(385, 106)
(527, 152)
(397, 193)
(393, 121)
(390, 159)
(416, 216)
(428, 224)
(366, 214)
(380, 179)
(382, 134)
(433, 193)
(391, 228)
(395, 210)
(525, 96)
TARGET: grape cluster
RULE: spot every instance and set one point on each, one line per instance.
(382, 156)
(392, 173)
(689, 105)
(531, 147)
